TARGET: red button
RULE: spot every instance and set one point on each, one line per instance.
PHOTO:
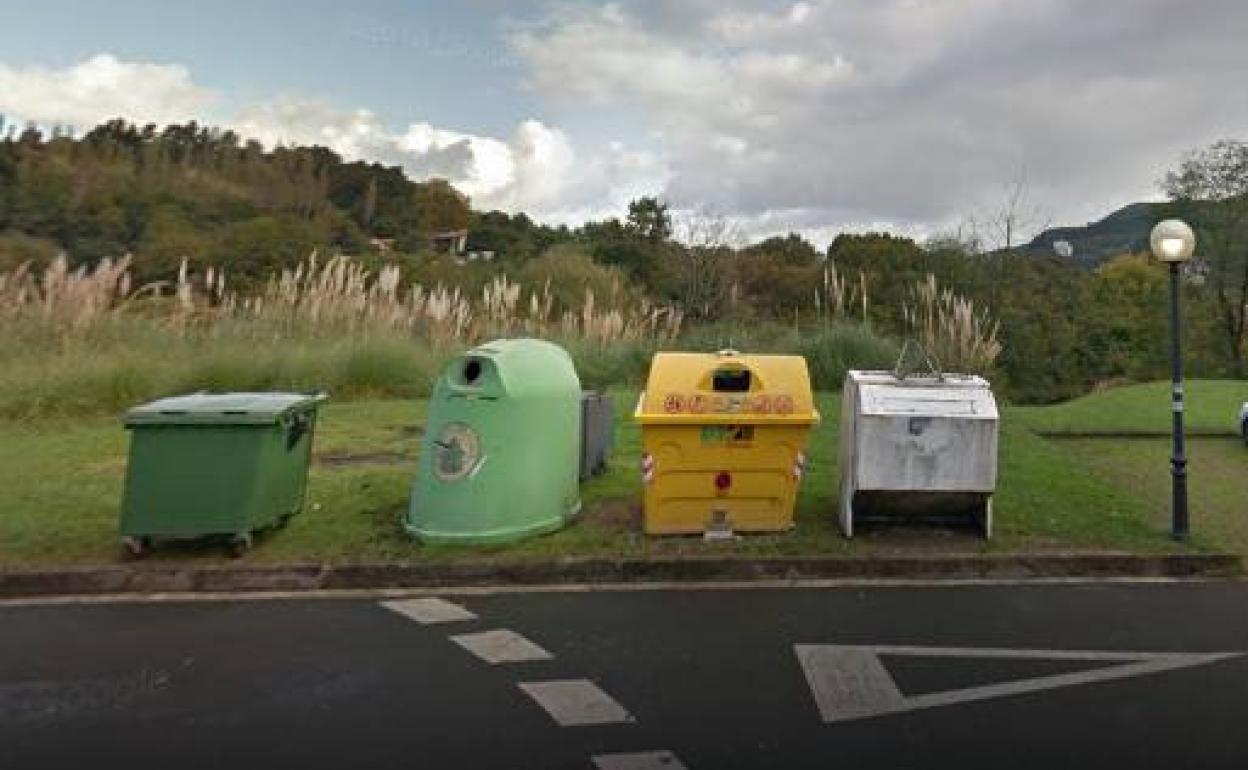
(723, 480)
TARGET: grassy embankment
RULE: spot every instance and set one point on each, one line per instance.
(1133, 451)
(123, 362)
(63, 480)
(78, 349)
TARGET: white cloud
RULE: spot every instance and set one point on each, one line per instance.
(903, 112)
(811, 115)
(749, 27)
(537, 169)
(100, 88)
(488, 165)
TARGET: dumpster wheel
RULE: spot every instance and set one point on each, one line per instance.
(240, 544)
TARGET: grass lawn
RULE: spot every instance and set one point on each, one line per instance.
(1216, 467)
(1216, 492)
(1212, 406)
(62, 482)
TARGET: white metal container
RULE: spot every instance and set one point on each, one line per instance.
(917, 445)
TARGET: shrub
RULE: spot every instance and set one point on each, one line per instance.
(833, 351)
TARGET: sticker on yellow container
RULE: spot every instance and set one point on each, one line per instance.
(732, 435)
(700, 403)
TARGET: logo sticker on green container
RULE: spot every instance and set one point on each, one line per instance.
(459, 452)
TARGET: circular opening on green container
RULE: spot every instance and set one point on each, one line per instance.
(472, 372)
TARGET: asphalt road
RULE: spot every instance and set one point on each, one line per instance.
(983, 676)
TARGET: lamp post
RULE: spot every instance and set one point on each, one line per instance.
(1173, 242)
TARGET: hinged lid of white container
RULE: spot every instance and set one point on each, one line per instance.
(967, 397)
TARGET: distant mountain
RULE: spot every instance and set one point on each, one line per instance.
(1125, 230)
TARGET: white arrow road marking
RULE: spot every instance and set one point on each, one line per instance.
(501, 646)
(575, 702)
(643, 760)
(850, 682)
(429, 610)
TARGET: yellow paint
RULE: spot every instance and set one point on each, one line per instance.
(753, 426)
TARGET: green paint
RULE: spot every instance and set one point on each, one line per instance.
(224, 464)
(502, 446)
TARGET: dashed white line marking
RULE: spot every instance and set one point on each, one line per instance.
(501, 646)
(850, 682)
(576, 702)
(643, 760)
(429, 610)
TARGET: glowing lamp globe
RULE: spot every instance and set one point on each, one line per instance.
(1172, 241)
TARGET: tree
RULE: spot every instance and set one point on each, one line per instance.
(1014, 218)
(567, 273)
(255, 247)
(765, 286)
(18, 248)
(513, 239)
(889, 264)
(1043, 311)
(439, 207)
(1210, 189)
(698, 270)
(648, 217)
(1127, 333)
(792, 250)
(168, 238)
(614, 243)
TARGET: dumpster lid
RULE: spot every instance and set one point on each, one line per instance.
(727, 387)
(877, 400)
(221, 408)
(966, 397)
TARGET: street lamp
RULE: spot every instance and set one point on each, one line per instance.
(1173, 242)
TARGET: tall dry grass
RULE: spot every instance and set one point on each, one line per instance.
(84, 340)
(959, 336)
(841, 297)
(64, 300)
(338, 296)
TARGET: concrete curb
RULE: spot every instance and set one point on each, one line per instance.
(144, 579)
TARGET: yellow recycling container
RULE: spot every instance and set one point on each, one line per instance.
(723, 441)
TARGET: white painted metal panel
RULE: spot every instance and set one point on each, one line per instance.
(884, 400)
(937, 454)
(922, 435)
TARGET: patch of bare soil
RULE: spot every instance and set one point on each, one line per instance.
(620, 514)
(348, 459)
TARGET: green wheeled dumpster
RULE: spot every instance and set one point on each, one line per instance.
(216, 464)
(501, 451)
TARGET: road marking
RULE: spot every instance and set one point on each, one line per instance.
(850, 682)
(501, 646)
(429, 610)
(643, 760)
(575, 702)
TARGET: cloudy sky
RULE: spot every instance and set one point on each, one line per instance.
(815, 116)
